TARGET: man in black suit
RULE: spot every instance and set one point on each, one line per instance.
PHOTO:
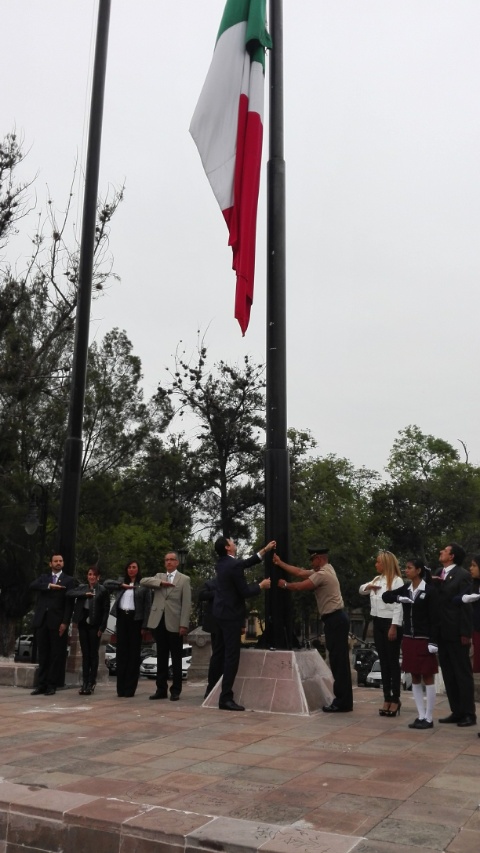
(52, 615)
(454, 635)
(229, 612)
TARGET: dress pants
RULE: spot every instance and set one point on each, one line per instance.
(52, 652)
(454, 659)
(389, 656)
(168, 643)
(89, 644)
(337, 626)
(129, 644)
(228, 644)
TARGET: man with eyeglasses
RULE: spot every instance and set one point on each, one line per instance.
(322, 580)
(169, 619)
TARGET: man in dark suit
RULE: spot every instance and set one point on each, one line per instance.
(229, 612)
(454, 635)
(52, 615)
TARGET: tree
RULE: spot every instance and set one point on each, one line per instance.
(117, 422)
(330, 507)
(227, 404)
(37, 308)
(12, 194)
(431, 497)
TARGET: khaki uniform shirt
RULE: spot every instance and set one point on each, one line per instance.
(327, 590)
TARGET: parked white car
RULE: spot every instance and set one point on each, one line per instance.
(148, 666)
(23, 646)
(374, 677)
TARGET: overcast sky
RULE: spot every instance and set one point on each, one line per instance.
(382, 142)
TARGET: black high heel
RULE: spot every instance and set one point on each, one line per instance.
(396, 712)
(383, 712)
(84, 689)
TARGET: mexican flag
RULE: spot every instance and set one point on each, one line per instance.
(227, 127)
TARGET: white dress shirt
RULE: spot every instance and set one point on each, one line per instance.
(380, 608)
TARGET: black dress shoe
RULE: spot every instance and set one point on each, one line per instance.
(452, 718)
(334, 709)
(230, 706)
(160, 694)
(467, 720)
(38, 691)
(421, 724)
(50, 691)
(174, 697)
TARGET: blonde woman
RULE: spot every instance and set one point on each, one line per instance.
(387, 628)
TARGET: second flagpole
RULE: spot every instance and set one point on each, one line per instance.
(277, 470)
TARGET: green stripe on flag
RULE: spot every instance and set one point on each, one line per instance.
(254, 12)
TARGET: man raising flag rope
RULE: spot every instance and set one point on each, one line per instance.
(227, 127)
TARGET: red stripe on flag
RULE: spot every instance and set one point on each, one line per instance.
(241, 219)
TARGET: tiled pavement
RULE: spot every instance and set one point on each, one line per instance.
(276, 782)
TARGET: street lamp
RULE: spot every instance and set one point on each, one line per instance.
(37, 514)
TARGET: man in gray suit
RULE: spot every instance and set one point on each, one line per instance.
(169, 620)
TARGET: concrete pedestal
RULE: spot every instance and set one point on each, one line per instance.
(282, 682)
(201, 644)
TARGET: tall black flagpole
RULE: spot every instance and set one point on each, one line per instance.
(277, 474)
(72, 464)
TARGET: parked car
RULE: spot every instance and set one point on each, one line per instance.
(364, 660)
(23, 647)
(110, 651)
(374, 678)
(111, 657)
(148, 667)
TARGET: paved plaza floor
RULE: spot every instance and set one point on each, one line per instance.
(360, 781)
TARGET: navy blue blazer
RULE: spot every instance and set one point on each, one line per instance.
(232, 588)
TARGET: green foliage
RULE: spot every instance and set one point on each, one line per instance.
(432, 498)
(117, 422)
(227, 403)
(415, 456)
(330, 507)
(128, 538)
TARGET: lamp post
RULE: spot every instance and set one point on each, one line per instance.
(37, 515)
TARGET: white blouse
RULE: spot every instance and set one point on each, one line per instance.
(380, 608)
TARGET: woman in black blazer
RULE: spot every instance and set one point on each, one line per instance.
(90, 614)
(419, 643)
(131, 608)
